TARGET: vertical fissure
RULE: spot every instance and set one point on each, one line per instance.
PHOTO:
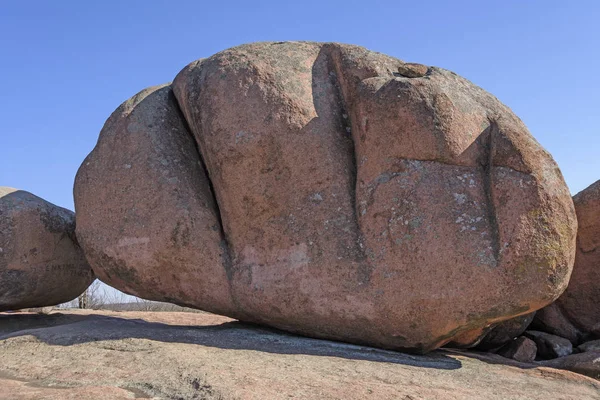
(351, 129)
(346, 122)
(226, 256)
(488, 163)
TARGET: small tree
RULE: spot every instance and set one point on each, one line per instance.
(83, 300)
(92, 298)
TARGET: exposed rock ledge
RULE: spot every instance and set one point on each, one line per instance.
(124, 355)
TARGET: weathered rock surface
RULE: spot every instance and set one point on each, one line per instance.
(350, 202)
(550, 346)
(579, 304)
(521, 349)
(149, 224)
(41, 263)
(201, 356)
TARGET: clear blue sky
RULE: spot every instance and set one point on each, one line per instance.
(66, 65)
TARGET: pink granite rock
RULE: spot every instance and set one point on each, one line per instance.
(41, 263)
(350, 202)
(575, 314)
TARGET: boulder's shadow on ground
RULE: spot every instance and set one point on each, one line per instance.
(71, 329)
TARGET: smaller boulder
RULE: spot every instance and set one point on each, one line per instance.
(595, 330)
(41, 263)
(583, 363)
(575, 314)
(592, 345)
(550, 346)
(521, 349)
(505, 332)
(552, 320)
(412, 70)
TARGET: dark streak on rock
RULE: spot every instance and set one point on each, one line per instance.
(487, 163)
(365, 269)
(226, 253)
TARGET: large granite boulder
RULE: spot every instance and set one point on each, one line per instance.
(314, 188)
(41, 263)
(575, 314)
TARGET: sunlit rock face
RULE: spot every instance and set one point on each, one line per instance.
(328, 190)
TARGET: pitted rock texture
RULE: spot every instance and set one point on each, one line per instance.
(576, 312)
(41, 263)
(313, 188)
